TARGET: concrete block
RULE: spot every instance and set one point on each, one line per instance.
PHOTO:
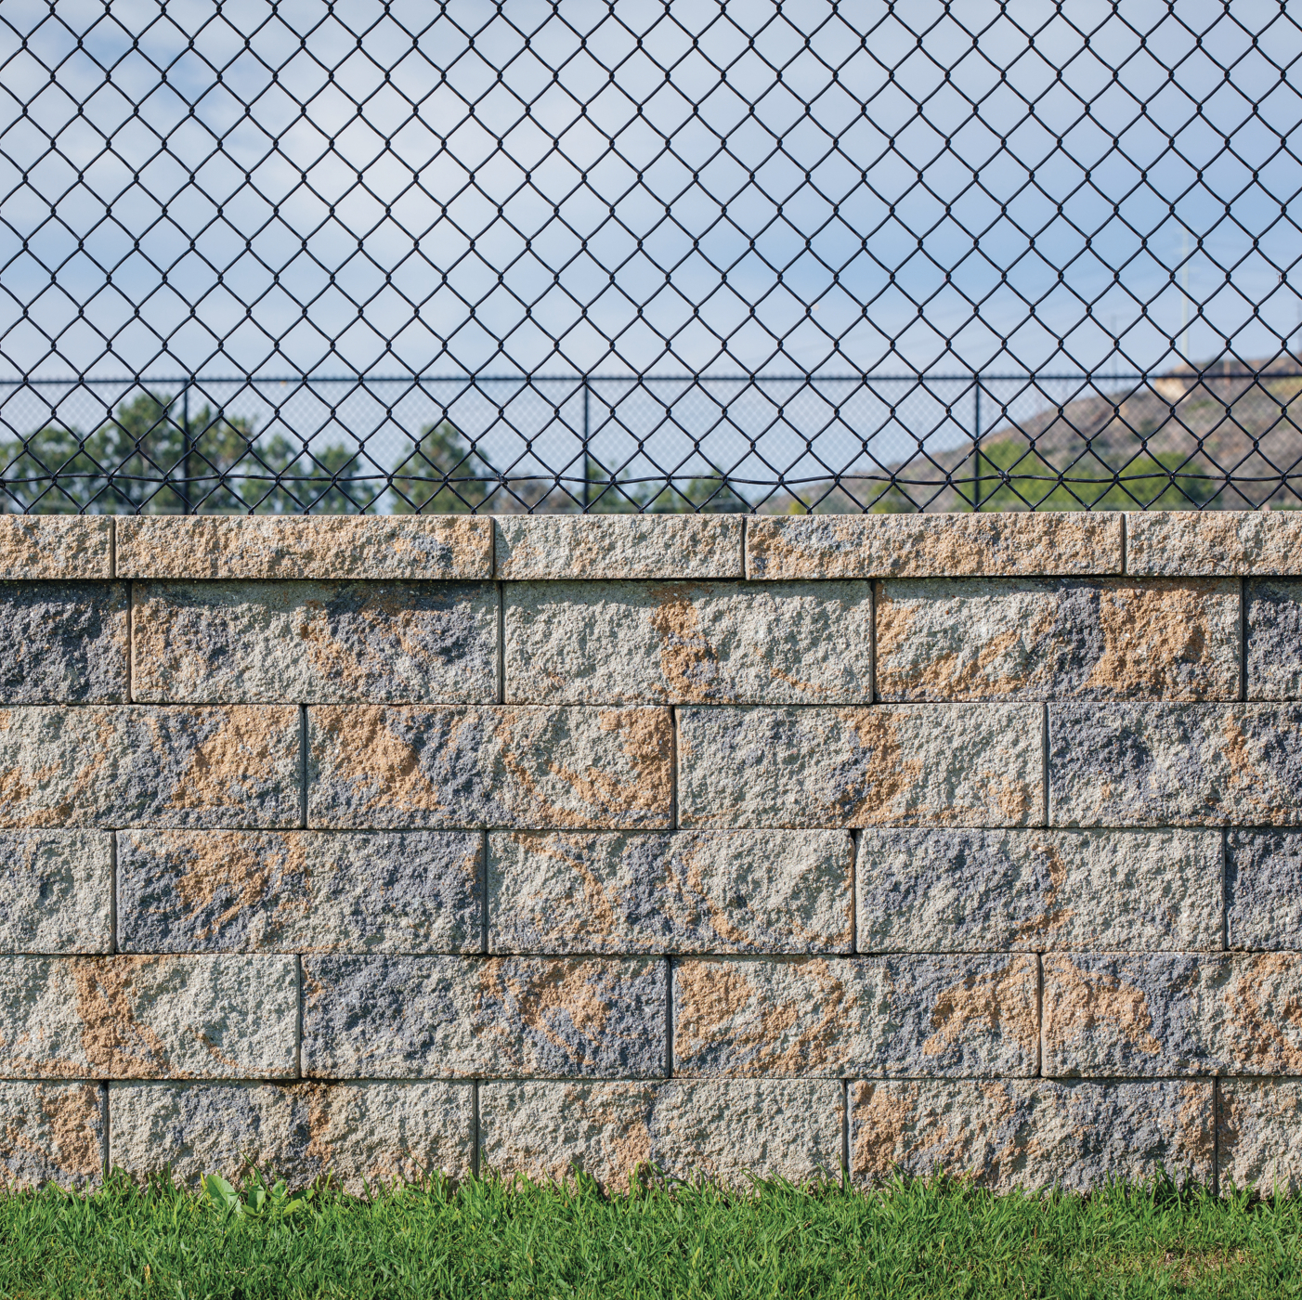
(131, 765)
(1263, 889)
(1175, 764)
(688, 891)
(1058, 639)
(55, 547)
(1274, 626)
(56, 891)
(435, 1017)
(513, 766)
(300, 891)
(1213, 543)
(63, 642)
(310, 642)
(52, 1133)
(947, 1016)
(944, 765)
(982, 890)
(1260, 1131)
(148, 1017)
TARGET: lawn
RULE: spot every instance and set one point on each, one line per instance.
(930, 1238)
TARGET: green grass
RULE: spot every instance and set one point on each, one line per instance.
(930, 1238)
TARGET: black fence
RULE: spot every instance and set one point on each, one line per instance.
(586, 255)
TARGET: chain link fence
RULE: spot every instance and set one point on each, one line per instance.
(601, 255)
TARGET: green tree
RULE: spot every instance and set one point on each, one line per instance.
(442, 474)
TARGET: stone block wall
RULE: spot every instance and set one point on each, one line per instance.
(782, 845)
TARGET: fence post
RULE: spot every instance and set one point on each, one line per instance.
(587, 430)
(976, 443)
(185, 445)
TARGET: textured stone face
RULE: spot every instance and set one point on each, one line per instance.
(133, 765)
(1274, 654)
(36, 547)
(1055, 639)
(1260, 1131)
(1031, 1133)
(56, 891)
(978, 890)
(1175, 764)
(667, 643)
(968, 765)
(1172, 1014)
(299, 891)
(618, 546)
(303, 546)
(706, 891)
(366, 1134)
(719, 1130)
(1192, 543)
(490, 766)
(51, 1133)
(431, 1017)
(312, 641)
(63, 642)
(922, 546)
(1263, 889)
(148, 1017)
(934, 1015)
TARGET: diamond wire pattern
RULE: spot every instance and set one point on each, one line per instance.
(293, 255)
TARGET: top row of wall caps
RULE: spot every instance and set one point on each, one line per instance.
(1161, 544)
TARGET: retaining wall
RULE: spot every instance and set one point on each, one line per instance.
(389, 845)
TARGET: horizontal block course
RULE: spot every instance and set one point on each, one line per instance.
(1274, 628)
(63, 642)
(1213, 543)
(52, 1133)
(515, 766)
(658, 643)
(148, 1017)
(721, 891)
(993, 890)
(935, 1015)
(58, 547)
(419, 1017)
(965, 765)
(720, 1130)
(309, 642)
(299, 891)
(1054, 639)
(56, 892)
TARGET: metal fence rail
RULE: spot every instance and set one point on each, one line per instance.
(587, 255)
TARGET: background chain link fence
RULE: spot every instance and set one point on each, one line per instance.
(648, 255)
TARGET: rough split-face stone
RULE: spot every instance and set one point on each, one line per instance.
(1263, 889)
(1054, 639)
(618, 546)
(666, 643)
(431, 1017)
(931, 1015)
(312, 641)
(688, 891)
(933, 546)
(148, 1017)
(366, 1134)
(1175, 764)
(1274, 627)
(1031, 1133)
(51, 1133)
(719, 1129)
(63, 642)
(131, 765)
(1260, 1132)
(1172, 1014)
(56, 891)
(513, 766)
(303, 546)
(1212, 543)
(299, 891)
(958, 765)
(38, 547)
(983, 890)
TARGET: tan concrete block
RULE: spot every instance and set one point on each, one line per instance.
(1212, 543)
(1260, 1131)
(945, 1016)
(1263, 889)
(63, 643)
(1018, 544)
(131, 765)
(618, 546)
(1033, 1133)
(512, 766)
(56, 891)
(52, 1133)
(910, 764)
(366, 1134)
(982, 890)
(718, 643)
(148, 1017)
(1056, 639)
(55, 546)
(708, 891)
(305, 546)
(721, 1130)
